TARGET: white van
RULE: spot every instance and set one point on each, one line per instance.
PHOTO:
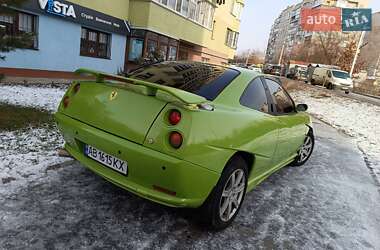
(332, 79)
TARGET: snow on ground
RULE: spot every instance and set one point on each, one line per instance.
(360, 120)
(26, 155)
(35, 97)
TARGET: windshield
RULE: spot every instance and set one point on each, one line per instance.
(198, 78)
(341, 74)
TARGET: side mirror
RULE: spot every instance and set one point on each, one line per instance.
(301, 107)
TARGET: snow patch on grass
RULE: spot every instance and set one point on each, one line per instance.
(35, 97)
(360, 120)
(26, 155)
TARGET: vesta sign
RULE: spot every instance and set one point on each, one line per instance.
(321, 19)
(57, 8)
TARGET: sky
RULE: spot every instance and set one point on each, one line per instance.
(258, 17)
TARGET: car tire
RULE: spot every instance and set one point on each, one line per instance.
(226, 195)
(330, 86)
(306, 150)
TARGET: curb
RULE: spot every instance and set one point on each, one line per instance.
(373, 96)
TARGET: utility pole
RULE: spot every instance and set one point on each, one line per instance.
(377, 66)
(247, 59)
(357, 52)
(281, 54)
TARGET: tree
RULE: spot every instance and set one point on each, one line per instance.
(250, 57)
(331, 48)
(15, 41)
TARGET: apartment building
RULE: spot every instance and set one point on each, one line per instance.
(285, 36)
(119, 35)
(278, 36)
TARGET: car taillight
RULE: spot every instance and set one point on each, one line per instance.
(174, 117)
(175, 139)
(76, 88)
(66, 101)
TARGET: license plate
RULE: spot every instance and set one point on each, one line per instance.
(106, 159)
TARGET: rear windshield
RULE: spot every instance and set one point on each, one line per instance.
(341, 74)
(197, 78)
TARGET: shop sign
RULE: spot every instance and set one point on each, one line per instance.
(78, 14)
(336, 19)
(57, 8)
(321, 19)
(357, 20)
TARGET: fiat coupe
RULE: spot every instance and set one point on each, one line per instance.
(185, 134)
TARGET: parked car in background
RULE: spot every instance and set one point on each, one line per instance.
(275, 70)
(297, 73)
(158, 134)
(292, 74)
(267, 68)
(332, 79)
(255, 68)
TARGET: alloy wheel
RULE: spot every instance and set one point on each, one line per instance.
(232, 195)
(306, 149)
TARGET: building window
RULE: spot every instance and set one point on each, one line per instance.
(152, 48)
(237, 8)
(163, 51)
(200, 11)
(205, 60)
(20, 23)
(172, 53)
(232, 38)
(95, 44)
(135, 49)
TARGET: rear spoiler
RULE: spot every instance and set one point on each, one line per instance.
(152, 88)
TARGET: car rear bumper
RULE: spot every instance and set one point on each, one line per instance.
(151, 174)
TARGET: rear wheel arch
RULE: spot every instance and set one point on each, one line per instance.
(249, 159)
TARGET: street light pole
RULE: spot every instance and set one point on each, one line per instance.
(377, 66)
(281, 54)
(247, 59)
(357, 52)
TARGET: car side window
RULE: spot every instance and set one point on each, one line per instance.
(282, 101)
(254, 97)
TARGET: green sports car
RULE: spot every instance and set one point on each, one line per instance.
(185, 134)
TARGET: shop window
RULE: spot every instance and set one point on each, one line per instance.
(152, 48)
(135, 49)
(163, 51)
(232, 38)
(20, 23)
(172, 53)
(95, 44)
